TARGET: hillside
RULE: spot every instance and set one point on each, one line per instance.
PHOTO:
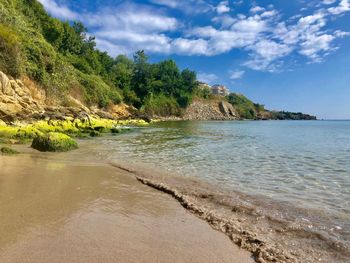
(62, 59)
(247, 109)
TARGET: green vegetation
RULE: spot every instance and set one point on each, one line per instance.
(54, 142)
(63, 58)
(245, 107)
(10, 59)
(253, 111)
(203, 91)
(8, 151)
(286, 115)
(25, 133)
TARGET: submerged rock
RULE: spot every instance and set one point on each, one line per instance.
(8, 151)
(94, 133)
(116, 130)
(54, 142)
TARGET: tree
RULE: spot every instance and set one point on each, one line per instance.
(189, 80)
(71, 41)
(121, 72)
(141, 75)
(169, 74)
(53, 32)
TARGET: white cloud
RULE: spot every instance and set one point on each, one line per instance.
(262, 33)
(169, 3)
(186, 6)
(328, 2)
(257, 9)
(223, 7)
(59, 11)
(344, 6)
(266, 53)
(236, 74)
(315, 44)
(145, 20)
(339, 33)
(209, 78)
(190, 46)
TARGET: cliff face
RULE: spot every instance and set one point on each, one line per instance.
(216, 109)
(24, 100)
(17, 100)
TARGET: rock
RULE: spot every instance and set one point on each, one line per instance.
(2, 123)
(16, 101)
(201, 109)
(8, 151)
(122, 111)
(54, 142)
(227, 109)
(104, 115)
(5, 86)
(146, 118)
(116, 130)
(95, 134)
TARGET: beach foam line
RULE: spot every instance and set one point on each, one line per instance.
(269, 239)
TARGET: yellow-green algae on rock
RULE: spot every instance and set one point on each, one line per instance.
(54, 142)
(8, 151)
(24, 133)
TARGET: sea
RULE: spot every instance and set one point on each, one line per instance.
(304, 165)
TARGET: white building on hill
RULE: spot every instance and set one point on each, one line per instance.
(220, 90)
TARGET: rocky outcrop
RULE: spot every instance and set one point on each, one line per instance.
(19, 101)
(201, 109)
(16, 100)
(227, 109)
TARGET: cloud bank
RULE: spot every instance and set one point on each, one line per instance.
(263, 33)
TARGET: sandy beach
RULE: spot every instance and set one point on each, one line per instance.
(63, 211)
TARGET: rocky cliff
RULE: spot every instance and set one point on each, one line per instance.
(22, 99)
(214, 109)
(17, 101)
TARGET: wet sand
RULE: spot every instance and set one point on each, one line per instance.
(53, 210)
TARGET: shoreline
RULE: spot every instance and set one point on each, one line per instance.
(81, 211)
(269, 239)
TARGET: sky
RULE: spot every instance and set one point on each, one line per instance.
(286, 54)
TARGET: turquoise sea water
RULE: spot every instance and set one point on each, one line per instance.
(303, 163)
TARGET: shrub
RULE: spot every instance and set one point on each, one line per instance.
(160, 105)
(10, 52)
(245, 107)
(202, 92)
(98, 92)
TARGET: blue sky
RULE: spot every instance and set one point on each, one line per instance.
(286, 54)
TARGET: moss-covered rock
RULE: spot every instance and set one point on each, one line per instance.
(116, 130)
(54, 142)
(94, 133)
(8, 151)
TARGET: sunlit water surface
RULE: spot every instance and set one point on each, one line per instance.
(305, 163)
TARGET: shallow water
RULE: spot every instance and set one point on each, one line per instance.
(304, 165)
